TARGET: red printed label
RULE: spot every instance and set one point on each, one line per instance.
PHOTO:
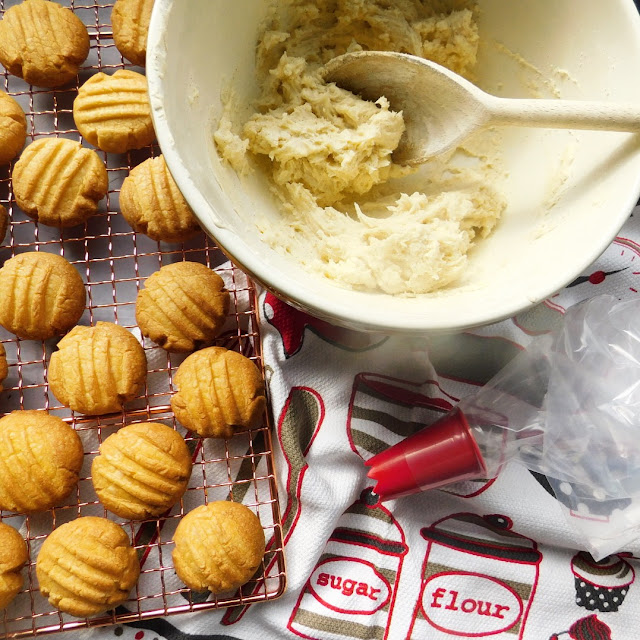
(350, 586)
(469, 604)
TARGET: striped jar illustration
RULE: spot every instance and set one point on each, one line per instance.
(479, 579)
(354, 582)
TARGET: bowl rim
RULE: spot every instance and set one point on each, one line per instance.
(304, 298)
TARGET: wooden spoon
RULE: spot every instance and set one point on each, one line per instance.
(441, 108)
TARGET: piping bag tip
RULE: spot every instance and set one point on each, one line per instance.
(440, 454)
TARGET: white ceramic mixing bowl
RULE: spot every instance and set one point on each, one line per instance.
(568, 193)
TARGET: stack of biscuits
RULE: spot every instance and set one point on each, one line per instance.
(143, 469)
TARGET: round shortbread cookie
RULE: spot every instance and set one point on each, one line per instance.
(13, 556)
(87, 566)
(43, 42)
(219, 393)
(96, 370)
(142, 470)
(40, 461)
(130, 23)
(219, 546)
(152, 204)
(113, 112)
(13, 129)
(183, 306)
(41, 295)
(59, 182)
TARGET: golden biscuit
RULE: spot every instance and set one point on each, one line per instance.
(43, 43)
(130, 23)
(113, 112)
(4, 367)
(219, 546)
(142, 470)
(97, 369)
(59, 182)
(4, 222)
(13, 128)
(152, 204)
(41, 295)
(13, 556)
(219, 392)
(183, 306)
(40, 461)
(87, 566)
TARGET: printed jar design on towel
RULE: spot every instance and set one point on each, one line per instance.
(479, 579)
(353, 585)
(601, 586)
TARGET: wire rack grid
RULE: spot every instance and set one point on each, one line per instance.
(114, 262)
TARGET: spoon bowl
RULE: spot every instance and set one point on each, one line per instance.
(441, 108)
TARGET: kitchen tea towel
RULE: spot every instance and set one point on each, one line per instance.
(478, 559)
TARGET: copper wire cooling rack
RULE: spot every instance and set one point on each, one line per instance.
(114, 262)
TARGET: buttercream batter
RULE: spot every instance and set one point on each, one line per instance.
(345, 210)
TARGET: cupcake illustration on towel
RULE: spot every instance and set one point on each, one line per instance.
(589, 628)
(601, 586)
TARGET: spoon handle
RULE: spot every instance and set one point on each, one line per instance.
(564, 114)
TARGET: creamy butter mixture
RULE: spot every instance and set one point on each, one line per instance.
(346, 211)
